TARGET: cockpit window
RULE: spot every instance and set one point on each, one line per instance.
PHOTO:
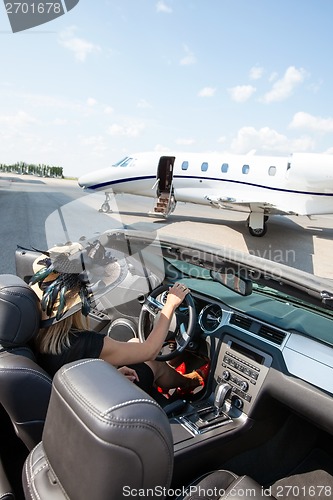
(123, 163)
(120, 162)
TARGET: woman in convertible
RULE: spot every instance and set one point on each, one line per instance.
(63, 284)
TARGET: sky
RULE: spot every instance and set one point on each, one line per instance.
(114, 77)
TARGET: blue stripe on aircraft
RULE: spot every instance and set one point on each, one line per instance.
(146, 177)
(120, 181)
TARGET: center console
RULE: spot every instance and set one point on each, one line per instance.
(244, 368)
(239, 374)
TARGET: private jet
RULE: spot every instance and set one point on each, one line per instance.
(299, 184)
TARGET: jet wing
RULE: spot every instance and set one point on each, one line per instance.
(231, 200)
(242, 200)
(247, 204)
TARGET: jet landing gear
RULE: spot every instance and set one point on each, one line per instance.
(257, 224)
(105, 208)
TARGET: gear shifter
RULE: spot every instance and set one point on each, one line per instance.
(204, 418)
(222, 393)
(214, 412)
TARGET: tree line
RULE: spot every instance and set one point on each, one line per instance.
(40, 170)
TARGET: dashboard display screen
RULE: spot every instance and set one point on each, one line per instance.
(254, 356)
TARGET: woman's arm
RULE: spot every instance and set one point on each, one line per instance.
(126, 353)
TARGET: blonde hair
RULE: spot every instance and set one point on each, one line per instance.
(53, 339)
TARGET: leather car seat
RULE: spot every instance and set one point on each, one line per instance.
(6, 490)
(106, 439)
(223, 484)
(25, 388)
(103, 438)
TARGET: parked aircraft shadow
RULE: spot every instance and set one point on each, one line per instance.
(285, 242)
(322, 232)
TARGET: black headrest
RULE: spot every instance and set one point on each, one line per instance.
(19, 311)
(103, 434)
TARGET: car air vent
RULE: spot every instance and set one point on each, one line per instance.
(241, 321)
(271, 334)
(99, 314)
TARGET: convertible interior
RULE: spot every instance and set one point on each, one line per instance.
(261, 426)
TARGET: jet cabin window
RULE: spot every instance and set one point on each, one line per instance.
(185, 165)
(246, 169)
(272, 171)
(204, 166)
(224, 168)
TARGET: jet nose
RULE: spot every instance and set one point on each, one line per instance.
(84, 181)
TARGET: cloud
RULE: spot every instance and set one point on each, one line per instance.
(256, 72)
(273, 77)
(143, 104)
(303, 144)
(17, 120)
(241, 93)
(268, 141)
(96, 143)
(185, 142)
(163, 7)
(189, 57)
(45, 101)
(222, 139)
(80, 47)
(207, 92)
(129, 130)
(310, 122)
(60, 121)
(19, 141)
(265, 139)
(91, 101)
(108, 110)
(315, 86)
(160, 148)
(283, 88)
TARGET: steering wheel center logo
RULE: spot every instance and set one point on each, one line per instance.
(26, 15)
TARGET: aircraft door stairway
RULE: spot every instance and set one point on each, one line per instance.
(165, 202)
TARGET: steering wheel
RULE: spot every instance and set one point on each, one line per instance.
(182, 334)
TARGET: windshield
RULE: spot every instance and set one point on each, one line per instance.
(286, 310)
(123, 163)
(262, 284)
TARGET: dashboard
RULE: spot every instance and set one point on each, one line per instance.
(257, 359)
(265, 350)
(304, 357)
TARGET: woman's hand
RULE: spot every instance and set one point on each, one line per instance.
(129, 373)
(176, 295)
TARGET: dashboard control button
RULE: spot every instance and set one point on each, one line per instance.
(237, 403)
(244, 385)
